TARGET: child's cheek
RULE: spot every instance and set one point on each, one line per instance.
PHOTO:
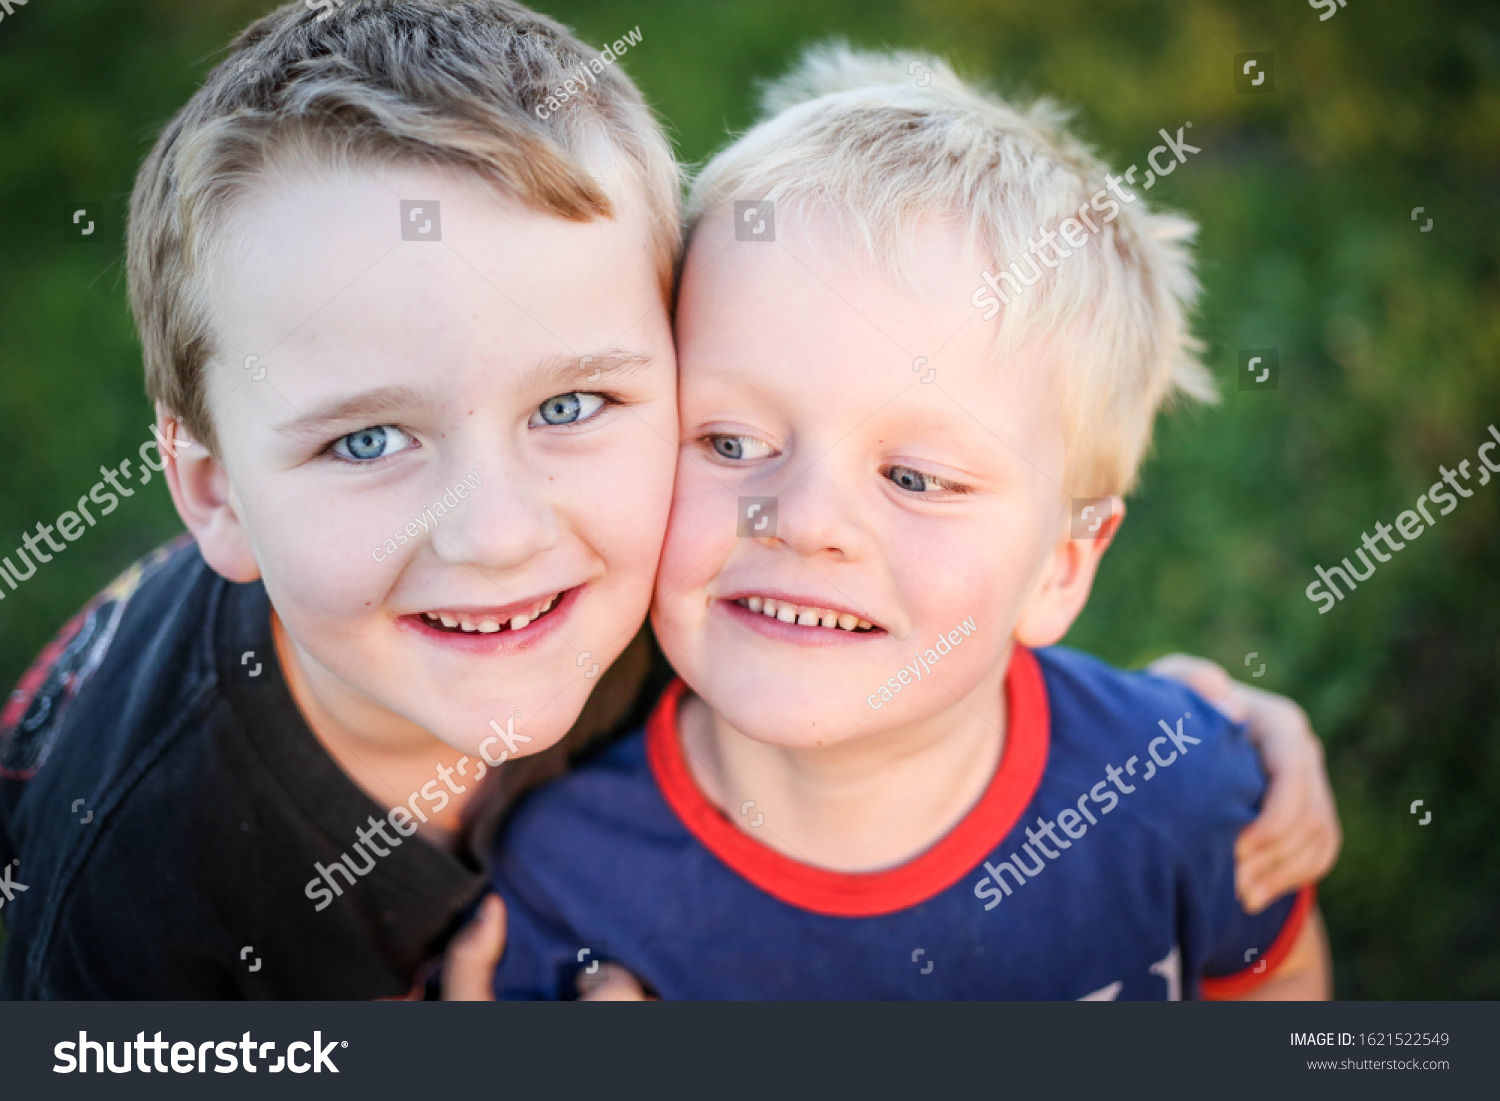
(626, 522)
(701, 534)
(953, 584)
(618, 500)
(330, 562)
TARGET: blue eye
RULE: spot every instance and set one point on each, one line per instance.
(907, 478)
(737, 448)
(567, 409)
(375, 442)
(914, 481)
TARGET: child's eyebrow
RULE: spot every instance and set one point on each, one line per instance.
(952, 427)
(365, 407)
(569, 373)
(554, 373)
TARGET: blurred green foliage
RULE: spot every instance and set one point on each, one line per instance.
(1389, 343)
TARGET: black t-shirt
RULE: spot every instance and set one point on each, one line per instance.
(168, 805)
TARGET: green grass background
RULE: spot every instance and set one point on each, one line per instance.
(1389, 341)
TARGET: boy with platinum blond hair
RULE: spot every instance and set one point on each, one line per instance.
(879, 777)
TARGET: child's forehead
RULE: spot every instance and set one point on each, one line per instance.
(303, 191)
(932, 255)
(327, 275)
(322, 228)
(816, 293)
(811, 329)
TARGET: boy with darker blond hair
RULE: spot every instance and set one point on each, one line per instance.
(423, 486)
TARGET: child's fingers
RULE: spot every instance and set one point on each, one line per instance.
(1286, 825)
(1330, 837)
(469, 967)
(1207, 678)
(1282, 872)
(614, 985)
(1287, 807)
(1302, 857)
(1255, 879)
(1264, 877)
(1297, 836)
(1286, 810)
(1298, 799)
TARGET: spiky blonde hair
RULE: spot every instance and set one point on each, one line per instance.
(887, 140)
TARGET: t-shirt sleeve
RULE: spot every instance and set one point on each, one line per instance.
(1213, 793)
(1232, 970)
(31, 718)
(32, 724)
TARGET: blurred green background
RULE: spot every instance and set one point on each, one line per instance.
(1389, 343)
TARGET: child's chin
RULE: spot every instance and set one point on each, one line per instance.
(803, 739)
(784, 724)
(495, 736)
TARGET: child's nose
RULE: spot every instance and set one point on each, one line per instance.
(818, 513)
(502, 524)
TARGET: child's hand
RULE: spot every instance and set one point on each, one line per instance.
(1297, 836)
(618, 985)
(469, 967)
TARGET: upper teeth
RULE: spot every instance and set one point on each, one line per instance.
(487, 625)
(804, 615)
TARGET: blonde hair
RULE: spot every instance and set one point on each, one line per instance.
(442, 83)
(887, 140)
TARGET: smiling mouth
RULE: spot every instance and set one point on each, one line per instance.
(804, 615)
(471, 623)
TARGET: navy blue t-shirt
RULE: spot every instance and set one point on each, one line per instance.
(1098, 864)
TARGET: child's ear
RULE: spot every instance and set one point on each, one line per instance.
(207, 504)
(1064, 585)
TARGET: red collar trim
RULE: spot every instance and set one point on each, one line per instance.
(867, 894)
